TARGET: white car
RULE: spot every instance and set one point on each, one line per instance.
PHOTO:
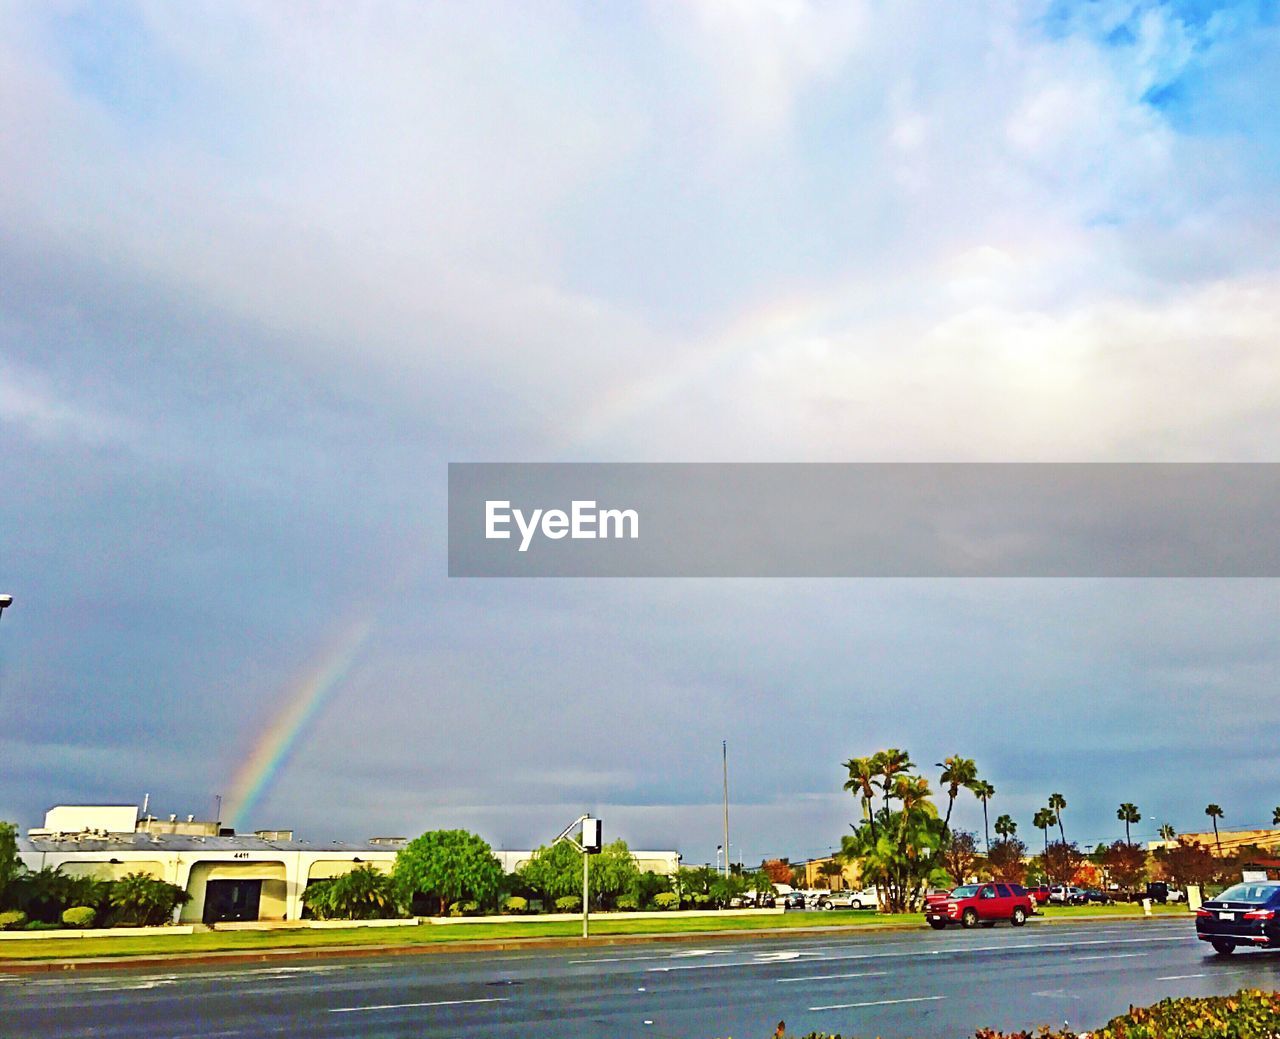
(864, 899)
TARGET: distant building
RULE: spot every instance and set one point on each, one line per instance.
(1231, 840)
(229, 876)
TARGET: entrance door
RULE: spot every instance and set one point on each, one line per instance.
(231, 900)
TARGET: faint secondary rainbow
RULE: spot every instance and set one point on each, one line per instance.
(301, 706)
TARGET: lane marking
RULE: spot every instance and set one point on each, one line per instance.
(1109, 956)
(879, 1003)
(1210, 974)
(406, 1006)
(829, 977)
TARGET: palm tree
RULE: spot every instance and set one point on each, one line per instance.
(1128, 813)
(862, 774)
(1215, 813)
(1167, 832)
(1275, 816)
(1006, 827)
(984, 791)
(956, 772)
(1057, 803)
(1042, 821)
(890, 763)
(831, 869)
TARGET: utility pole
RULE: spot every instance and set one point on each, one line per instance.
(724, 754)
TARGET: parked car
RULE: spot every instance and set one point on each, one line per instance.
(1039, 893)
(1246, 914)
(1093, 896)
(865, 899)
(793, 900)
(1066, 895)
(986, 904)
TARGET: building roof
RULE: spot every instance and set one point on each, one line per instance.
(168, 842)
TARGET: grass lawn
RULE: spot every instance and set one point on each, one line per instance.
(460, 934)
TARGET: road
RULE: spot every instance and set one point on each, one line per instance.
(894, 984)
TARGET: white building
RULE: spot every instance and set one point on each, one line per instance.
(230, 876)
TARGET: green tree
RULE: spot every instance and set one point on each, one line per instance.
(1006, 827)
(896, 849)
(1057, 803)
(863, 773)
(364, 893)
(1215, 813)
(984, 791)
(613, 872)
(1128, 813)
(957, 772)
(1167, 832)
(142, 900)
(834, 872)
(10, 862)
(1042, 821)
(448, 866)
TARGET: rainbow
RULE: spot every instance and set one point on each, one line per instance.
(270, 754)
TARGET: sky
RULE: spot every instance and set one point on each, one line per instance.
(266, 269)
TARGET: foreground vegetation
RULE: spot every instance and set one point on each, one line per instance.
(1249, 1014)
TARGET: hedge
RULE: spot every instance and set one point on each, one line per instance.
(1249, 1014)
(13, 920)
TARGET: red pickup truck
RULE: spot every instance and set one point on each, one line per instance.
(986, 904)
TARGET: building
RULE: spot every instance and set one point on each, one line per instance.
(1231, 841)
(822, 873)
(229, 876)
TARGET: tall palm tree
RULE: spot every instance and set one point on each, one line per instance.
(956, 772)
(1057, 803)
(889, 764)
(1275, 816)
(984, 791)
(862, 775)
(1128, 813)
(1042, 821)
(1167, 832)
(1215, 813)
(1006, 827)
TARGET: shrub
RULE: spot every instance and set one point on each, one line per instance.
(666, 900)
(42, 925)
(79, 916)
(142, 900)
(515, 905)
(464, 909)
(364, 893)
(13, 920)
(569, 904)
(627, 904)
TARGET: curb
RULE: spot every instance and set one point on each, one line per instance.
(332, 952)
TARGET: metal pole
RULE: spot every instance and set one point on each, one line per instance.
(724, 752)
(586, 892)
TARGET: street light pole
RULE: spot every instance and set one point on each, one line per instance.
(5, 602)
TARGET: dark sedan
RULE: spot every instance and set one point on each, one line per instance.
(1247, 914)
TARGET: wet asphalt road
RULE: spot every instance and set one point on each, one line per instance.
(922, 984)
